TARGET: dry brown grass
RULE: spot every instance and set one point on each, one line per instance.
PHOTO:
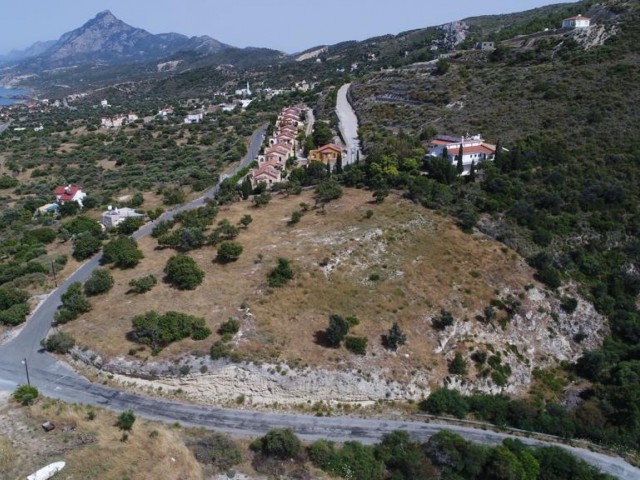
(424, 262)
(94, 448)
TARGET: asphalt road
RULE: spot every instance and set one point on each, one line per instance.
(57, 380)
(348, 124)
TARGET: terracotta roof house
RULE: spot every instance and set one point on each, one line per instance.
(70, 193)
(267, 174)
(326, 154)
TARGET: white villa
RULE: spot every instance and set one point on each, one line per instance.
(114, 216)
(194, 117)
(474, 150)
(576, 22)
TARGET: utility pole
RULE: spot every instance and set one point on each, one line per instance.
(53, 272)
(26, 368)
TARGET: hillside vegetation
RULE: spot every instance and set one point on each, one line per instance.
(565, 195)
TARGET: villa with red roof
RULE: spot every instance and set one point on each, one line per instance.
(474, 150)
(70, 193)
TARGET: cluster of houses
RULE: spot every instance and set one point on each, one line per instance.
(118, 120)
(282, 146)
(74, 193)
(471, 149)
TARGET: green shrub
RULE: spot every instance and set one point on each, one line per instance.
(129, 225)
(158, 331)
(126, 420)
(123, 252)
(442, 321)
(219, 350)
(281, 443)
(14, 315)
(7, 182)
(357, 345)
(394, 338)
(444, 400)
(100, 281)
(295, 217)
(74, 303)
(143, 284)
(25, 394)
(85, 246)
(183, 272)
(231, 326)
(281, 274)
(337, 330)
(217, 450)
(229, 252)
(59, 342)
(458, 366)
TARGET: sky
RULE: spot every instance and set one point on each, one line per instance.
(286, 25)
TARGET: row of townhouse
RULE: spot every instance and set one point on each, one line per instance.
(283, 145)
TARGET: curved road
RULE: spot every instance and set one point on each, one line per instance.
(348, 124)
(57, 380)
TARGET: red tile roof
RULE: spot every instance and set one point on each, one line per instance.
(66, 194)
(470, 150)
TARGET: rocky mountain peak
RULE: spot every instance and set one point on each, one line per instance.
(105, 17)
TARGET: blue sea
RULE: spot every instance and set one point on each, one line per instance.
(9, 92)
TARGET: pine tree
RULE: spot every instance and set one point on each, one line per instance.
(472, 172)
(339, 164)
(395, 338)
(459, 165)
(246, 188)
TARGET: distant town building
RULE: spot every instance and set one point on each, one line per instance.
(114, 216)
(576, 22)
(194, 117)
(485, 46)
(165, 112)
(244, 92)
(104, 104)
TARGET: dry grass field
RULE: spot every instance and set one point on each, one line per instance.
(401, 264)
(90, 444)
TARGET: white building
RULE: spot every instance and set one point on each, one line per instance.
(104, 104)
(114, 216)
(576, 22)
(244, 92)
(474, 150)
(194, 117)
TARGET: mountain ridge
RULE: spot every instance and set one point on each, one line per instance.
(107, 40)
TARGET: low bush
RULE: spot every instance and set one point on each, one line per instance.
(143, 284)
(59, 342)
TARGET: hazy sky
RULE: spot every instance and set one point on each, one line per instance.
(285, 25)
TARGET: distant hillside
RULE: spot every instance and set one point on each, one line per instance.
(106, 40)
(555, 84)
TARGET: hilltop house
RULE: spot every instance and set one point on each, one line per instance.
(70, 193)
(114, 216)
(327, 154)
(473, 149)
(576, 22)
(194, 117)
